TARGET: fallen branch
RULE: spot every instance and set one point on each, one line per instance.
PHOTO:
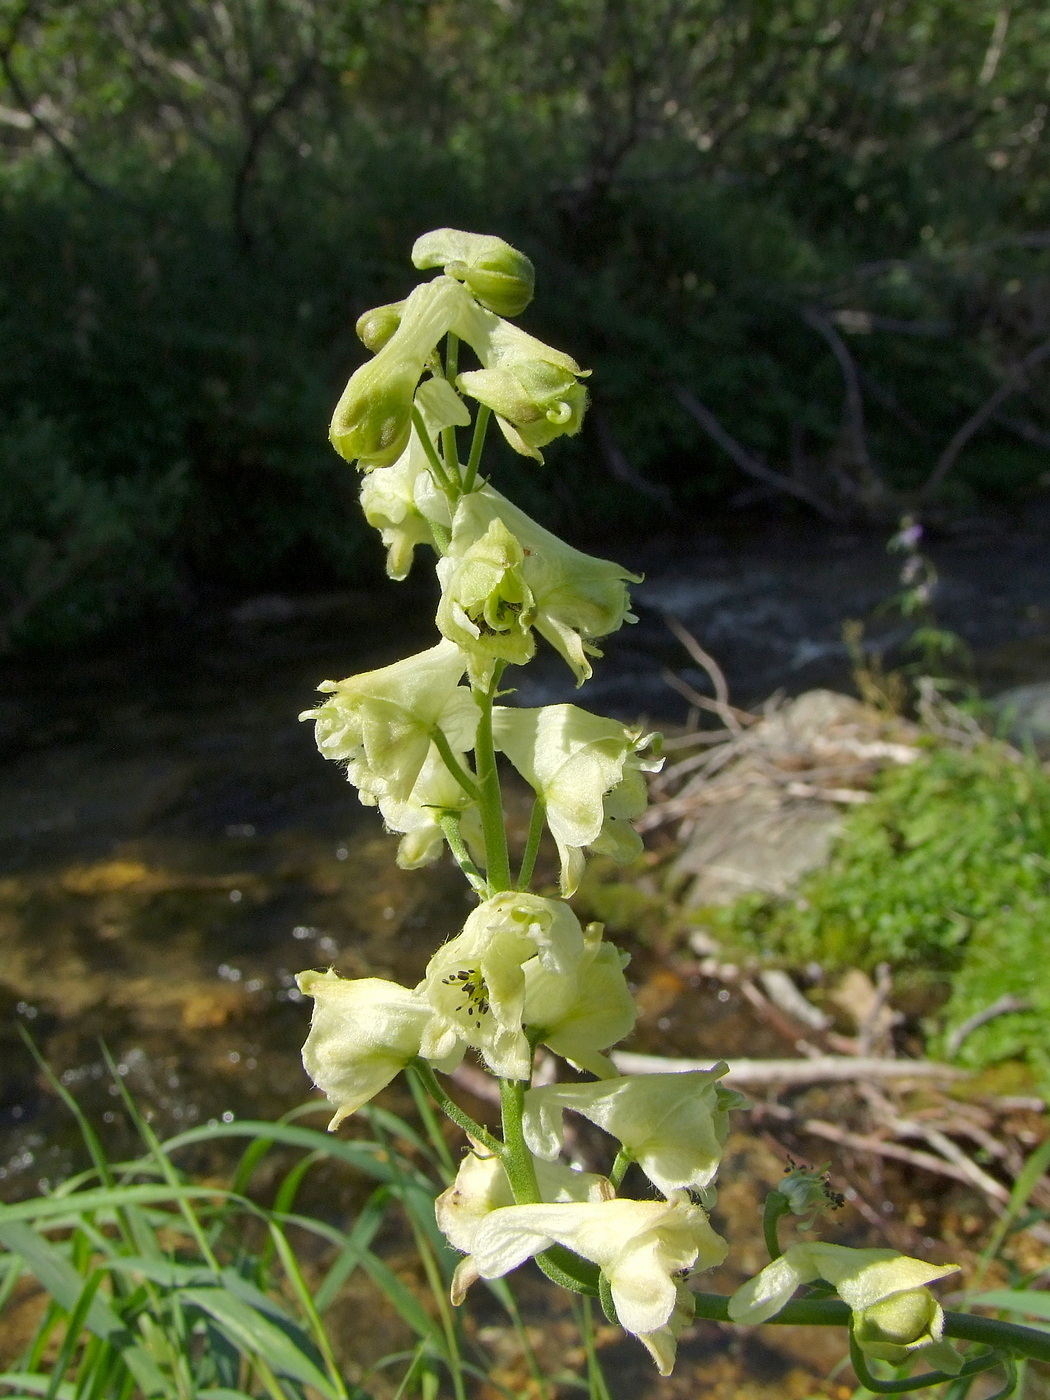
(815, 1070)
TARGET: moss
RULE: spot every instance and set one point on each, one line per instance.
(945, 875)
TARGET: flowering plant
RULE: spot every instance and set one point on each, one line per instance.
(421, 739)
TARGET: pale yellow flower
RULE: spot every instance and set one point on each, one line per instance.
(380, 723)
(475, 983)
(642, 1247)
(673, 1125)
(581, 1013)
(481, 1186)
(894, 1314)
(362, 1033)
(587, 771)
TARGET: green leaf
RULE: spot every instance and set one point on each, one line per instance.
(1032, 1302)
(55, 1274)
(253, 1332)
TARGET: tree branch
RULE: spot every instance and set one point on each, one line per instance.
(745, 461)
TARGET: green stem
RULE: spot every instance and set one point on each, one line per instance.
(452, 763)
(518, 1162)
(451, 357)
(620, 1165)
(448, 435)
(859, 1362)
(449, 823)
(497, 859)
(442, 537)
(831, 1312)
(532, 844)
(436, 466)
(452, 1110)
(477, 444)
(776, 1206)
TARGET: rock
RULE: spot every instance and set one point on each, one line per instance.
(770, 815)
(755, 844)
(1023, 714)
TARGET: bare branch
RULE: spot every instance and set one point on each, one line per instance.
(619, 466)
(745, 461)
(819, 1069)
(1010, 385)
(854, 400)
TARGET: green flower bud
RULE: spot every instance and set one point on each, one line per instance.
(374, 328)
(501, 278)
(535, 401)
(373, 417)
(896, 1325)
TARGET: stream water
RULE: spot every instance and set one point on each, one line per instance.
(173, 849)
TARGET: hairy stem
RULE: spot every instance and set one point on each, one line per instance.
(452, 1110)
(449, 759)
(449, 823)
(775, 1208)
(831, 1312)
(436, 465)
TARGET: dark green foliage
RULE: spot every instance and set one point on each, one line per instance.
(196, 202)
(945, 874)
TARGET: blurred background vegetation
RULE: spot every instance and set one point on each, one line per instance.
(817, 226)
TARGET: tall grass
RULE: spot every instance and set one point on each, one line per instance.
(151, 1284)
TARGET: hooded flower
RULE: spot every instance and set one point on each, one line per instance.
(533, 388)
(481, 1186)
(416, 818)
(572, 597)
(581, 1013)
(400, 501)
(380, 723)
(673, 1125)
(486, 606)
(476, 982)
(363, 1032)
(894, 1314)
(501, 278)
(372, 419)
(587, 771)
(534, 402)
(642, 1247)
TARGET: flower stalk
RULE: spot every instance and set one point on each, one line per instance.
(522, 971)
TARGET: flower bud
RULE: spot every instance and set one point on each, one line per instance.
(898, 1324)
(894, 1313)
(501, 278)
(372, 419)
(534, 401)
(374, 328)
